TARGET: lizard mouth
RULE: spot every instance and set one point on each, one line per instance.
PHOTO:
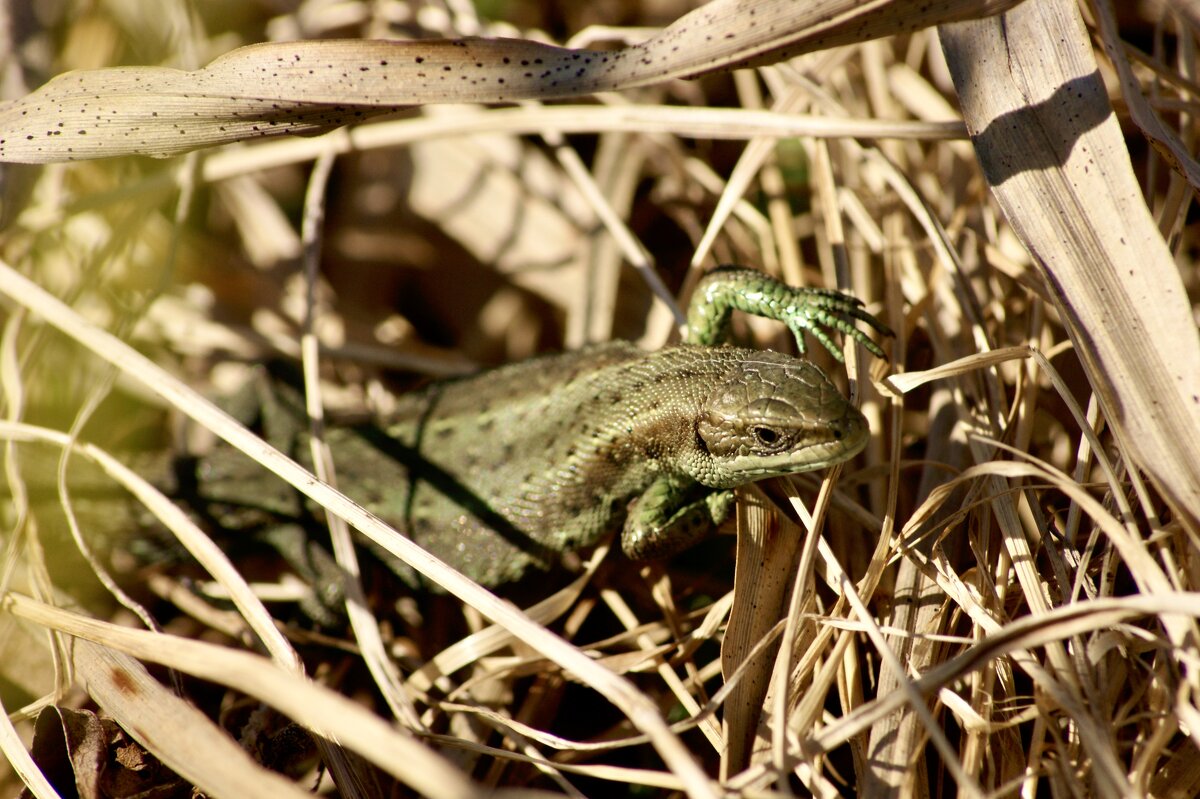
(808, 459)
(839, 441)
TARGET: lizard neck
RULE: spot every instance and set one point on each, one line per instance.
(641, 420)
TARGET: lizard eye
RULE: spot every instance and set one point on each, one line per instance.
(766, 436)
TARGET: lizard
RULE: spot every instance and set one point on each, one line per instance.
(501, 472)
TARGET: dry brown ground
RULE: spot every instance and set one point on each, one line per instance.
(994, 599)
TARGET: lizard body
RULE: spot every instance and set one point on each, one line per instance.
(545, 456)
(506, 469)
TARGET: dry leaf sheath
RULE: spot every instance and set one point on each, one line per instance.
(313, 86)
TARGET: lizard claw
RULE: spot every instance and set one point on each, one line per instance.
(803, 310)
(825, 308)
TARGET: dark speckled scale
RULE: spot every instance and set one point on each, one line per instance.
(509, 468)
(569, 441)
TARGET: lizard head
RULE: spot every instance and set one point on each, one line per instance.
(773, 414)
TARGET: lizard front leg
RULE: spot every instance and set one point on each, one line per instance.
(730, 288)
(672, 515)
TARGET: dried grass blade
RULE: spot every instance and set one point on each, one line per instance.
(202, 548)
(1167, 143)
(1053, 154)
(319, 709)
(310, 86)
(907, 381)
(643, 714)
(172, 729)
(1021, 635)
(767, 547)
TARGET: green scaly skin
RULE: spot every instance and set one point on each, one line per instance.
(730, 288)
(505, 470)
(512, 466)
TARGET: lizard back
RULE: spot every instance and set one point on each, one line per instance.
(510, 467)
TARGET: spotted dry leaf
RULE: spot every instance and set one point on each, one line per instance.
(312, 86)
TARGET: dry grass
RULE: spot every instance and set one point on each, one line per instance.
(995, 599)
